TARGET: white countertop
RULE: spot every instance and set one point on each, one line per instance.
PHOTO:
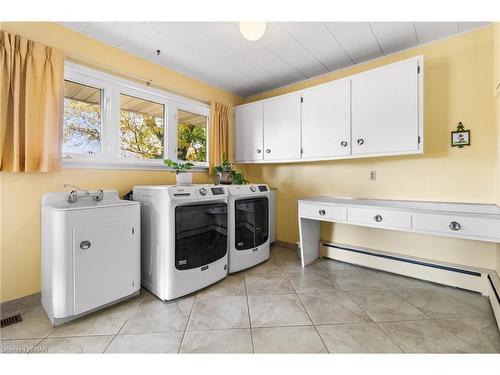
(472, 209)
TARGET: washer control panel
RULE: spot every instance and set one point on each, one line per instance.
(217, 191)
(195, 192)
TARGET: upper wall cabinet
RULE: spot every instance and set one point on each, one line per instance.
(326, 121)
(385, 110)
(249, 132)
(375, 113)
(282, 128)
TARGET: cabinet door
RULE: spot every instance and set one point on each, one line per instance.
(249, 133)
(106, 259)
(326, 121)
(385, 110)
(282, 128)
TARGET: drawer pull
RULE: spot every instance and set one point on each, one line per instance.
(322, 212)
(84, 245)
(455, 226)
(343, 144)
(360, 141)
(377, 218)
(259, 151)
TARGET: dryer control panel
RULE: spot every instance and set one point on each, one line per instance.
(250, 189)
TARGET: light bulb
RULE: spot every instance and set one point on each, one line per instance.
(252, 30)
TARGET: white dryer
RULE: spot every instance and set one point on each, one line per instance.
(248, 212)
(183, 238)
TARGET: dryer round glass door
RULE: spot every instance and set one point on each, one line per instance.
(251, 222)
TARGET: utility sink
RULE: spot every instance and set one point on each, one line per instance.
(90, 253)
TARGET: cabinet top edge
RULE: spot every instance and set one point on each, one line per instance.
(418, 58)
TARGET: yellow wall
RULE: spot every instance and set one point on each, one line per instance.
(20, 193)
(458, 76)
(457, 87)
(497, 106)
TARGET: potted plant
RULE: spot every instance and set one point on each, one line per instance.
(182, 176)
(226, 175)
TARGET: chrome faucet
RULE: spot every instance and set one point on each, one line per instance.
(73, 194)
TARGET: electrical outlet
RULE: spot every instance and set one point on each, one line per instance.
(373, 175)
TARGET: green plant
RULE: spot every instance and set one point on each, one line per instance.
(224, 170)
(178, 167)
(239, 178)
(225, 166)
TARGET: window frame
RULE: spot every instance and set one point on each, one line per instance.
(111, 88)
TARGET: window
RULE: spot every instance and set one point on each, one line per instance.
(141, 128)
(110, 122)
(82, 119)
(191, 136)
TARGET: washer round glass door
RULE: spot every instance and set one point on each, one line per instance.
(200, 234)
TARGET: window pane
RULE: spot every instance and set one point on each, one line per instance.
(142, 128)
(191, 136)
(82, 119)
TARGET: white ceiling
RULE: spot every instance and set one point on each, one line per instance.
(215, 52)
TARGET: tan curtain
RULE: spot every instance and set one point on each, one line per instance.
(220, 132)
(31, 105)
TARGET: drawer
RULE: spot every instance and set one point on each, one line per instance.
(461, 226)
(380, 218)
(323, 212)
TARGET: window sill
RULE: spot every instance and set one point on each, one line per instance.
(124, 165)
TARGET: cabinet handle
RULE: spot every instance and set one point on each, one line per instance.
(377, 218)
(268, 150)
(259, 151)
(84, 245)
(454, 226)
(322, 212)
(343, 144)
(360, 141)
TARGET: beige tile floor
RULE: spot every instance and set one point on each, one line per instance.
(278, 307)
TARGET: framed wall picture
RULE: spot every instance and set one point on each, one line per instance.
(460, 137)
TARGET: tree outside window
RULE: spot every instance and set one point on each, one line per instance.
(141, 128)
(82, 119)
(191, 137)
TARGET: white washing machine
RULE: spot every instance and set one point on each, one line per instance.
(184, 238)
(248, 215)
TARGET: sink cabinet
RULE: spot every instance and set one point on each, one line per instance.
(90, 254)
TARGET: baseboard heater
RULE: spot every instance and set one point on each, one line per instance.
(453, 275)
(478, 280)
(406, 260)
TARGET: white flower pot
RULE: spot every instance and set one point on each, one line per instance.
(183, 179)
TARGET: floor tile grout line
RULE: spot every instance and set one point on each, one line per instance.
(374, 322)
(248, 310)
(423, 312)
(456, 299)
(45, 338)
(37, 344)
(307, 313)
(187, 322)
(116, 334)
(403, 350)
(458, 337)
(411, 303)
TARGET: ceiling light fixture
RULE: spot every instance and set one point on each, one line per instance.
(252, 30)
